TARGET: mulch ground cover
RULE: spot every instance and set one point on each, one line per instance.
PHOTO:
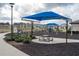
(36, 49)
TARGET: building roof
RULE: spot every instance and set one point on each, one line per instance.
(75, 22)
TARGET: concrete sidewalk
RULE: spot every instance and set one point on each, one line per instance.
(8, 50)
(56, 40)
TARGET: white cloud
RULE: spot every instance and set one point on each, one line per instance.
(24, 9)
(71, 11)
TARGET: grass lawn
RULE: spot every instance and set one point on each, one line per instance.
(4, 30)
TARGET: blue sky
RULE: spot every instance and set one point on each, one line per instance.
(70, 10)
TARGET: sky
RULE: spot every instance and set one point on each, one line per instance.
(70, 10)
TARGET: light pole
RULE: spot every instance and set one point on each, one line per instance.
(11, 4)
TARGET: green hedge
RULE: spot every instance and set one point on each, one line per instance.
(19, 38)
(27, 39)
(8, 37)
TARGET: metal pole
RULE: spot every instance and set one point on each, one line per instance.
(71, 28)
(11, 20)
(66, 31)
(32, 28)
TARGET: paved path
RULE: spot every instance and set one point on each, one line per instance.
(8, 50)
(56, 40)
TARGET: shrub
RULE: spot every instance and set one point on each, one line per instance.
(27, 39)
(8, 37)
(18, 38)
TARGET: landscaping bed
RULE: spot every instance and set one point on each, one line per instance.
(35, 49)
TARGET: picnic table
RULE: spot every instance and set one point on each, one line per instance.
(46, 38)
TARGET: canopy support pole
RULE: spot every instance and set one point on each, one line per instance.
(71, 28)
(32, 29)
(66, 31)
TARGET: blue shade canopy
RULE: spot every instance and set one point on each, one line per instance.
(52, 24)
(46, 16)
